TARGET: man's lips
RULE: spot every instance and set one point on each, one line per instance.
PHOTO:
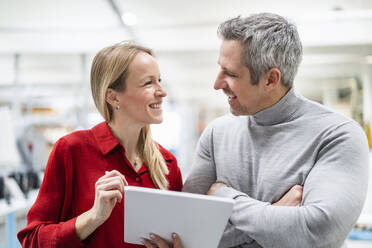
(229, 94)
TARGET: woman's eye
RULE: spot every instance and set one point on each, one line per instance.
(148, 83)
(159, 80)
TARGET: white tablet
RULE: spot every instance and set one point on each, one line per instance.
(199, 220)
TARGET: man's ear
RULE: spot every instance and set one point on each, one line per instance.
(272, 78)
(111, 97)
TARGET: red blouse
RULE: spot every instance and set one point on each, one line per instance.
(68, 190)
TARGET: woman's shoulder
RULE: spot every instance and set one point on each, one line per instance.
(79, 137)
(167, 155)
(174, 176)
(170, 159)
(96, 134)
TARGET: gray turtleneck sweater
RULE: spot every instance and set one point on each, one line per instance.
(260, 157)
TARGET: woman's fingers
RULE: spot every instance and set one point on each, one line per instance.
(158, 242)
(111, 186)
(113, 173)
(176, 241)
(148, 243)
(116, 173)
(110, 195)
(110, 183)
(108, 191)
(161, 243)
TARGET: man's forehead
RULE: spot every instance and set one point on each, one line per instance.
(232, 45)
(231, 63)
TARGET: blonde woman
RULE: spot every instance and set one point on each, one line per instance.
(80, 202)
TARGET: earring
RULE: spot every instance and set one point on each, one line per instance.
(117, 107)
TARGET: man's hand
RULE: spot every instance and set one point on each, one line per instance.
(292, 198)
(214, 187)
(156, 241)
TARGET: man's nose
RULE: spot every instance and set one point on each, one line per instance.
(220, 82)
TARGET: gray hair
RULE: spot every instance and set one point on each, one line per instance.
(269, 41)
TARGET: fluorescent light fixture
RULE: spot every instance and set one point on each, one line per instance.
(129, 19)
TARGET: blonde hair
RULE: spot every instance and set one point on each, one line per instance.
(110, 70)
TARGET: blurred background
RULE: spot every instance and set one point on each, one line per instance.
(46, 50)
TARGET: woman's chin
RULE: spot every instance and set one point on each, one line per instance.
(157, 120)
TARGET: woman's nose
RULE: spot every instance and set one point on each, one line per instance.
(160, 92)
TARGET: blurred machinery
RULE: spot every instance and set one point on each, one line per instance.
(17, 171)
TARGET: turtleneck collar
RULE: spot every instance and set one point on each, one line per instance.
(280, 112)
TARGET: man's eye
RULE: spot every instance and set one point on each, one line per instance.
(230, 75)
(159, 80)
(148, 83)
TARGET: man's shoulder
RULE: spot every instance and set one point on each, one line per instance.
(227, 121)
(321, 113)
(224, 128)
(323, 117)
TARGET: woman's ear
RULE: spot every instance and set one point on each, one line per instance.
(111, 97)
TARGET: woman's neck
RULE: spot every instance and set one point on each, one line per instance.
(127, 134)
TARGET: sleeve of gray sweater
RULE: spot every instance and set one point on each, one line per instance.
(333, 196)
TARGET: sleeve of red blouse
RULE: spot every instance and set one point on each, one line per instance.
(48, 222)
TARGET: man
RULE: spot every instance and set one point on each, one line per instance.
(276, 140)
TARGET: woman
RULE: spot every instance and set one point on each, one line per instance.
(80, 202)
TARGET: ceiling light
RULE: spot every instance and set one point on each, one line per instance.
(129, 19)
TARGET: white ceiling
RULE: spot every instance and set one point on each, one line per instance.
(336, 34)
(86, 25)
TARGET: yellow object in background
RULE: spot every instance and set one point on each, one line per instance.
(42, 111)
(367, 130)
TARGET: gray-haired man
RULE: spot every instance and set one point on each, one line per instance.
(280, 139)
